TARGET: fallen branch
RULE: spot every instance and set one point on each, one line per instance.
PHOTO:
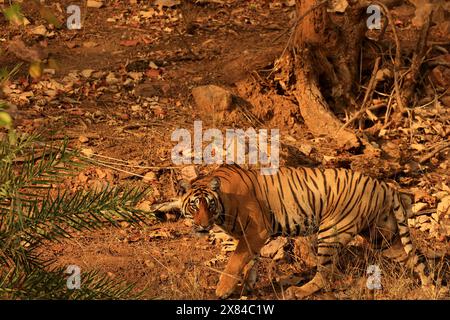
(437, 149)
(359, 113)
(372, 83)
(369, 92)
(426, 212)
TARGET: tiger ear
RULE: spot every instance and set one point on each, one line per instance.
(183, 187)
(214, 184)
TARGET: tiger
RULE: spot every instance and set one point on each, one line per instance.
(334, 204)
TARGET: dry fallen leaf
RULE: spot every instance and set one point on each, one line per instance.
(161, 234)
(35, 70)
(88, 152)
(94, 4)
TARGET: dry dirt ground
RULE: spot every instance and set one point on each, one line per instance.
(107, 99)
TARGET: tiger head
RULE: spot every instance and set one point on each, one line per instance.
(201, 202)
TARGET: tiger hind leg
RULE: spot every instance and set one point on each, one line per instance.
(391, 234)
(431, 285)
(327, 250)
(396, 252)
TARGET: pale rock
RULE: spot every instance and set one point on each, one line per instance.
(88, 152)
(211, 98)
(83, 139)
(150, 176)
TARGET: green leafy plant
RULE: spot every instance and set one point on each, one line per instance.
(33, 213)
(14, 14)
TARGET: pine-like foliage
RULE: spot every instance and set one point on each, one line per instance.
(34, 212)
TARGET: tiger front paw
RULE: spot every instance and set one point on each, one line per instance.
(226, 287)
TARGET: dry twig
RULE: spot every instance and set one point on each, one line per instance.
(417, 60)
(369, 92)
(437, 149)
(397, 60)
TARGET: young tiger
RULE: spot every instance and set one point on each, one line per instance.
(336, 204)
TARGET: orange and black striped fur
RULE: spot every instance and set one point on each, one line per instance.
(335, 204)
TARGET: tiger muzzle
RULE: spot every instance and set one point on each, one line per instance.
(203, 222)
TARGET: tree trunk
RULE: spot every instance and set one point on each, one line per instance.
(326, 58)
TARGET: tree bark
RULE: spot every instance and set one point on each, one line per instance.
(326, 62)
